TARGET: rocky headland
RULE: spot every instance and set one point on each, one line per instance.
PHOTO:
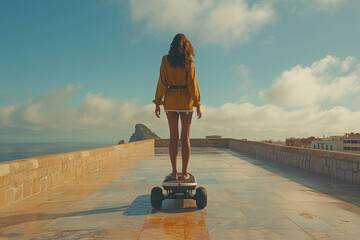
(141, 133)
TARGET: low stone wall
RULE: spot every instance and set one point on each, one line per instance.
(339, 165)
(23, 178)
(196, 142)
(20, 179)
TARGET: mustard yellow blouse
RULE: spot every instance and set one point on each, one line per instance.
(177, 99)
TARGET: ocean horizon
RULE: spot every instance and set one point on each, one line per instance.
(14, 151)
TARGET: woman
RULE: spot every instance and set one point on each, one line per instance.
(178, 83)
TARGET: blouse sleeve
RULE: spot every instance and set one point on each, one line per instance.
(161, 86)
(193, 86)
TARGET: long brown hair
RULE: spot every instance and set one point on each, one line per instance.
(181, 52)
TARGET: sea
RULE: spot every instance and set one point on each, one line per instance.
(13, 151)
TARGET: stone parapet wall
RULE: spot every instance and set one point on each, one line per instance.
(338, 165)
(196, 142)
(23, 178)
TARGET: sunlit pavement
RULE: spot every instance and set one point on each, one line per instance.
(247, 199)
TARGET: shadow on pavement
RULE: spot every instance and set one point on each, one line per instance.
(142, 206)
(34, 217)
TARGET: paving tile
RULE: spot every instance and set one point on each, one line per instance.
(254, 223)
(122, 234)
(220, 234)
(310, 196)
(265, 234)
(331, 236)
(255, 211)
(227, 211)
(162, 234)
(258, 198)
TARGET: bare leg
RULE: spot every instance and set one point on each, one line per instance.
(173, 120)
(185, 142)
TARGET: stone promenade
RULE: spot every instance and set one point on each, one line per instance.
(248, 198)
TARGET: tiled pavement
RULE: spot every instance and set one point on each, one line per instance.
(247, 199)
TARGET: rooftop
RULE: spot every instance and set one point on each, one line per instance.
(247, 199)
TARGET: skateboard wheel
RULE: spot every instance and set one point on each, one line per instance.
(157, 197)
(201, 197)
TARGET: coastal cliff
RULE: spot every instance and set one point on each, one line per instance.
(141, 133)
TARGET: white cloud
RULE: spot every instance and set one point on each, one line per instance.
(244, 98)
(311, 6)
(96, 115)
(273, 122)
(243, 70)
(50, 110)
(328, 79)
(225, 22)
(329, 5)
(245, 74)
(348, 63)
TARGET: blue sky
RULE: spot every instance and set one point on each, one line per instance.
(87, 70)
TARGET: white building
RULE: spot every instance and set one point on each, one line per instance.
(350, 142)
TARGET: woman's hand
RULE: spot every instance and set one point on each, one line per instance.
(198, 111)
(157, 110)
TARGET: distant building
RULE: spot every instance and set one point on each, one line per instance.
(213, 136)
(332, 143)
(300, 142)
(350, 142)
(290, 142)
(279, 142)
(274, 142)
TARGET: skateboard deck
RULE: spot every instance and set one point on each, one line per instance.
(179, 184)
(179, 189)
